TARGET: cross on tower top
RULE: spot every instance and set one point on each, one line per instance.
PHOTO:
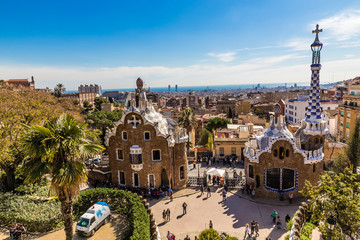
(134, 121)
(317, 30)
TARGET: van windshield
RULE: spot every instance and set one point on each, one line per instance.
(83, 222)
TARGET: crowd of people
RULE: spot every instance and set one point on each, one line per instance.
(17, 230)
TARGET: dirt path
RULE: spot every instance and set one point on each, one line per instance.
(109, 231)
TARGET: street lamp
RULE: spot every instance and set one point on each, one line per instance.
(316, 47)
(331, 225)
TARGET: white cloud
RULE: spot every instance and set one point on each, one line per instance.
(343, 26)
(299, 44)
(259, 70)
(349, 55)
(224, 57)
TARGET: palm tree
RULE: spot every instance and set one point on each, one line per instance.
(59, 89)
(187, 120)
(56, 149)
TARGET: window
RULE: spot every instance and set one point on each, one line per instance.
(120, 154)
(136, 180)
(347, 134)
(147, 136)
(121, 178)
(342, 113)
(341, 133)
(221, 151)
(347, 125)
(280, 178)
(92, 220)
(275, 153)
(316, 141)
(281, 153)
(321, 140)
(233, 151)
(251, 171)
(348, 115)
(314, 168)
(124, 136)
(287, 153)
(341, 123)
(182, 176)
(151, 180)
(156, 155)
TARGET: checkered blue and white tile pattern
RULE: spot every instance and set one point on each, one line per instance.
(314, 108)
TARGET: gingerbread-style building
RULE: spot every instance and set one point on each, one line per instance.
(145, 149)
(279, 162)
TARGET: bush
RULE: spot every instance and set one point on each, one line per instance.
(289, 224)
(119, 201)
(209, 234)
(37, 216)
(307, 231)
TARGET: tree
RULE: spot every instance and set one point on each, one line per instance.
(353, 150)
(56, 149)
(87, 108)
(59, 89)
(187, 120)
(98, 101)
(337, 196)
(19, 107)
(103, 120)
(216, 123)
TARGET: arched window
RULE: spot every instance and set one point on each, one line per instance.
(314, 168)
(275, 152)
(281, 153)
(287, 153)
(251, 171)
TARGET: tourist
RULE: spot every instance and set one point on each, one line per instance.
(194, 164)
(252, 226)
(226, 187)
(210, 224)
(235, 174)
(208, 192)
(164, 215)
(184, 208)
(273, 215)
(224, 195)
(287, 218)
(168, 214)
(209, 178)
(256, 229)
(171, 195)
(209, 163)
(278, 222)
(242, 188)
(253, 194)
(187, 237)
(196, 238)
(247, 231)
(202, 190)
(290, 197)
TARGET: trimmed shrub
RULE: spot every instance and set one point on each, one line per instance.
(119, 201)
(307, 231)
(37, 216)
(209, 234)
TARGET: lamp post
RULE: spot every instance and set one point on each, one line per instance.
(331, 225)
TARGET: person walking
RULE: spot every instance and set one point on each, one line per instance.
(187, 237)
(256, 229)
(202, 190)
(164, 215)
(168, 215)
(287, 218)
(247, 231)
(184, 208)
(210, 224)
(252, 227)
(224, 195)
(273, 215)
(253, 194)
(208, 192)
(171, 195)
(290, 197)
(194, 164)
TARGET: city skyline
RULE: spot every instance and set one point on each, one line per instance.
(185, 43)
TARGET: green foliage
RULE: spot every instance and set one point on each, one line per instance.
(98, 101)
(341, 162)
(289, 224)
(118, 201)
(338, 195)
(216, 123)
(209, 234)
(307, 231)
(27, 206)
(287, 237)
(353, 150)
(59, 89)
(87, 108)
(204, 137)
(103, 120)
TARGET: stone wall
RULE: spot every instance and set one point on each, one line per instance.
(299, 220)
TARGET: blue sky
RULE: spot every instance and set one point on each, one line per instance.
(188, 43)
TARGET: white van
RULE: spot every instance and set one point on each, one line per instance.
(95, 216)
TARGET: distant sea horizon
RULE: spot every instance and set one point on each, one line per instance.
(209, 87)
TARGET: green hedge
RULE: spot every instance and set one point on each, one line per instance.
(37, 216)
(211, 234)
(119, 201)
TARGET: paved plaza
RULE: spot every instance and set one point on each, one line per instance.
(229, 216)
